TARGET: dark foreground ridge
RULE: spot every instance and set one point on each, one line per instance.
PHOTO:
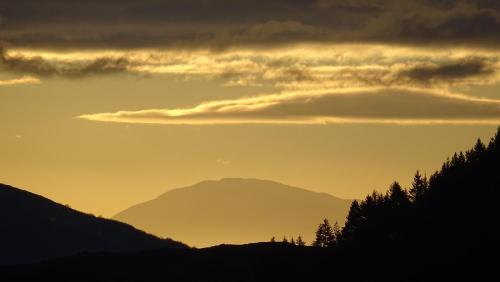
(33, 228)
(252, 262)
(444, 228)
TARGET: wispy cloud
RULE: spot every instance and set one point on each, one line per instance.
(22, 80)
(374, 105)
(223, 161)
(303, 67)
(38, 65)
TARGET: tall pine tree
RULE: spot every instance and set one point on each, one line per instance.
(418, 187)
(324, 235)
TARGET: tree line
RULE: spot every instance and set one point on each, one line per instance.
(432, 214)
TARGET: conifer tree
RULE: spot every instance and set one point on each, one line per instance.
(353, 222)
(300, 242)
(397, 196)
(418, 187)
(324, 235)
(337, 233)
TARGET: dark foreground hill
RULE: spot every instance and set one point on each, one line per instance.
(235, 211)
(258, 262)
(34, 228)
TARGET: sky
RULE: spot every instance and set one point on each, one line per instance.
(105, 104)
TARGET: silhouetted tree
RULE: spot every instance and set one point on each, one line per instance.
(324, 235)
(337, 233)
(292, 241)
(398, 197)
(273, 239)
(300, 242)
(285, 240)
(474, 154)
(418, 187)
(353, 221)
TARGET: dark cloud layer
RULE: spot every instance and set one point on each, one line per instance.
(461, 25)
(222, 23)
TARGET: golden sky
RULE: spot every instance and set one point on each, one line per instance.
(105, 104)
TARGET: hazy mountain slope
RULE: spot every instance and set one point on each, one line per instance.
(235, 211)
(34, 228)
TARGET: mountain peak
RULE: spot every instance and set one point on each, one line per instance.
(238, 180)
(235, 210)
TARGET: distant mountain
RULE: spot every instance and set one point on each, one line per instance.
(34, 228)
(235, 211)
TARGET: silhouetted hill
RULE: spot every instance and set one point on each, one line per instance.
(34, 228)
(228, 263)
(252, 262)
(234, 210)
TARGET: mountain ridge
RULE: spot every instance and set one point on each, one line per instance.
(194, 186)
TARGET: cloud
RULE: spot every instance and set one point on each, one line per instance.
(419, 73)
(39, 66)
(223, 161)
(22, 80)
(225, 23)
(463, 24)
(351, 4)
(459, 71)
(272, 33)
(375, 105)
(304, 67)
